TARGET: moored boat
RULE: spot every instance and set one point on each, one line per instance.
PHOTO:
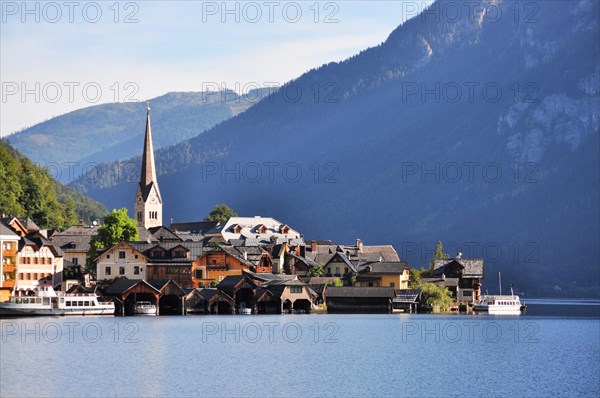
(145, 308)
(46, 301)
(496, 304)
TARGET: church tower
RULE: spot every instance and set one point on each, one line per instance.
(148, 202)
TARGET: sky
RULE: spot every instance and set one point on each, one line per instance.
(56, 57)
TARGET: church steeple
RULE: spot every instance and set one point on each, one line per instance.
(148, 168)
(148, 201)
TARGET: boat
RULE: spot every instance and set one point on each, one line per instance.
(145, 308)
(497, 304)
(500, 304)
(46, 301)
(43, 302)
(84, 304)
(245, 311)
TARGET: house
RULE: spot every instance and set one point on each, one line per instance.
(170, 260)
(121, 260)
(260, 228)
(192, 231)
(216, 264)
(242, 289)
(461, 275)
(339, 265)
(360, 299)
(38, 262)
(9, 244)
(75, 243)
(282, 293)
(383, 273)
(319, 251)
(209, 301)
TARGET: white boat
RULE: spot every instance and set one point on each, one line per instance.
(499, 304)
(84, 304)
(145, 308)
(245, 311)
(496, 304)
(46, 301)
(43, 302)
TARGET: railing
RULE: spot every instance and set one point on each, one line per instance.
(9, 252)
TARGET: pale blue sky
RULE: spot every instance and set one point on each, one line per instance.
(171, 46)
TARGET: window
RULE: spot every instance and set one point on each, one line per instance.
(329, 270)
(122, 255)
(136, 256)
(295, 289)
(346, 270)
(75, 261)
(392, 284)
(121, 270)
(198, 273)
(67, 304)
(107, 270)
(140, 216)
(214, 262)
(337, 270)
(108, 256)
(136, 270)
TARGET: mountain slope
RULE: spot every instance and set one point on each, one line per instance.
(111, 131)
(29, 191)
(389, 151)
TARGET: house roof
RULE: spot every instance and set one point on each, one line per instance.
(472, 267)
(163, 234)
(250, 228)
(322, 280)
(448, 282)
(384, 267)
(354, 291)
(122, 285)
(194, 227)
(407, 296)
(7, 232)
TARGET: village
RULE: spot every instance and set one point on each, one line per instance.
(241, 265)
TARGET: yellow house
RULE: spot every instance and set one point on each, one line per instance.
(383, 274)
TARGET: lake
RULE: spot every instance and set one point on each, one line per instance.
(553, 350)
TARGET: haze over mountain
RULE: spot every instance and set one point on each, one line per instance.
(111, 131)
(481, 131)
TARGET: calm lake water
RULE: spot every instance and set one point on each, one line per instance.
(553, 350)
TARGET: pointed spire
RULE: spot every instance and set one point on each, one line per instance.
(148, 174)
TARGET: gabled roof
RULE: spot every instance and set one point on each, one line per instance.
(163, 234)
(448, 282)
(195, 227)
(472, 267)
(120, 244)
(380, 267)
(167, 285)
(122, 285)
(407, 296)
(234, 281)
(344, 258)
(7, 232)
(355, 291)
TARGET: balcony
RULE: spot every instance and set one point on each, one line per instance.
(9, 252)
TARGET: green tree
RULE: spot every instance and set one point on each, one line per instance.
(117, 227)
(438, 254)
(336, 282)
(414, 280)
(436, 296)
(220, 213)
(316, 270)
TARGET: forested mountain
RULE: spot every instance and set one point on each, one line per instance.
(480, 131)
(29, 191)
(112, 131)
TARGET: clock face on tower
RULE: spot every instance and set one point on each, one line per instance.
(139, 199)
(153, 199)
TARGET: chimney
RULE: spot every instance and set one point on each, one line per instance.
(313, 246)
(459, 255)
(245, 255)
(359, 245)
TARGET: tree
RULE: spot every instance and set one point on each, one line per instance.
(438, 254)
(117, 227)
(220, 213)
(336, 282)
(436, 296)
(287, 267)
(415, 279)
(316, 270)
